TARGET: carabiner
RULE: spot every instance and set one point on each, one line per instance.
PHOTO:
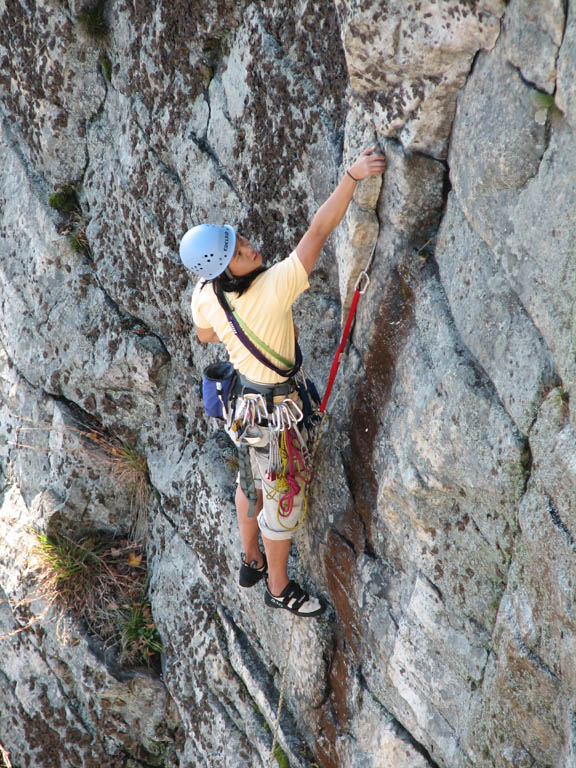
(362, 276)
(261, 410)
(293, 410)
(276, 419)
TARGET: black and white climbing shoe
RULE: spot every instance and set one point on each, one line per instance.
(293, 598)
(250, 574)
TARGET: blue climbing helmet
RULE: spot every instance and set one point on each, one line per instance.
(208, 249)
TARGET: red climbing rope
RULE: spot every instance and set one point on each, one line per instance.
(361, 285)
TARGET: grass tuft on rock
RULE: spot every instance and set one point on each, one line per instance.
(127, 466)
(139, 638)
(77, 237)
(103, 582)
(65, 200)
(93, 21)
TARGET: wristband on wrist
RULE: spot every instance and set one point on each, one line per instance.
(352, 177)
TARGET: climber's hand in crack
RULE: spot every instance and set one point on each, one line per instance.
(330, 214)
(369, 163)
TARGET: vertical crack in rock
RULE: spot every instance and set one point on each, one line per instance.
(371, 393)
(566, 17)
(395, 312)
(547, 129)
(530, 654)
(554, 513)
(401, 732)
(259, 687)
(204, 146)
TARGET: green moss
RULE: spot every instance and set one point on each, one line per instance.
(543, 100)
(106, 66)
(281, 757)
(92, 20)
(546, 101)
(64, 199)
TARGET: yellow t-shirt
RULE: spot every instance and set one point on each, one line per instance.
(266, 308)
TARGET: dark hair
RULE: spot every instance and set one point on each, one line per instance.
(229, 284)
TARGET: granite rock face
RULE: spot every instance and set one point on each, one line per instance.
(442, 521)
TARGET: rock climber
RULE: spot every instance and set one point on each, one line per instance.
(232, 269)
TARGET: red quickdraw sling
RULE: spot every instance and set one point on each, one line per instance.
(360, 288)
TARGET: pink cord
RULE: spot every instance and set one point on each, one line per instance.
(286, 502)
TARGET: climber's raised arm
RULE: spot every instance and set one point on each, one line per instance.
(331, 213)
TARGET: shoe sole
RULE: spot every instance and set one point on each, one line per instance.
(271, 602)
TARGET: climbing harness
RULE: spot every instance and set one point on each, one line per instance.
(360, 288)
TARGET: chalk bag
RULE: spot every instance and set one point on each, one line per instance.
(218, 381)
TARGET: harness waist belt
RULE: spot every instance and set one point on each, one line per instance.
(245, 386)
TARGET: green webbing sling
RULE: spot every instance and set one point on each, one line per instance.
(251, 335)
(247, 478)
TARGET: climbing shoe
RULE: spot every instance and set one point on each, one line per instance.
(294, 599)
(250, 574)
